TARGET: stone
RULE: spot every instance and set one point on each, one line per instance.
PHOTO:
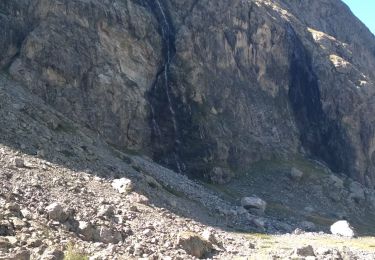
(20, 255)
(147, 232)
(109, 235)
(106, 211)
(19, 162)
(342, 228)
(209, 236)
(86, 230)
(53, 254)
(4, 243)
(304, 251)
(6, 228)
(220, 175)
(254, 203)
(336, 181)
(18, 223)
(357, 192)
(26, 214)
(34, 242)
(56, 212)
(258, 222)
(122, 185)
(296, 174)
(193, 244)
(308, 226)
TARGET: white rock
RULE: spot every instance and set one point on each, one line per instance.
(342, 228)
(122, 185)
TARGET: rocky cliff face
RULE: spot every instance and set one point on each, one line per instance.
(205, 87)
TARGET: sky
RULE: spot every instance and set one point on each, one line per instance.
(364, 10)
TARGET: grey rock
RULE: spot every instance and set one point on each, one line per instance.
(304, 251)
(19, 162)
(53, 254)
(109, 235)
(308, 226)
(6, 228)
(296, 174)
(106, 211)
(4, 243)
(254, 203)
(87, 230)
(56, 212)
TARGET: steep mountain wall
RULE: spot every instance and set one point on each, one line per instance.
(204, 87)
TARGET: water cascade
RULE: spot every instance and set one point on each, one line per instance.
(160, 96)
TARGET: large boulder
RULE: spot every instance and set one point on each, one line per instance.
(342, 228)
(254, 204)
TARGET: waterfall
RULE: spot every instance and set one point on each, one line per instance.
(167, 35)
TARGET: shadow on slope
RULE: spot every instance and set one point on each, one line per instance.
(33, 128)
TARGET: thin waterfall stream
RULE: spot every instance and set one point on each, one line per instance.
(162, 80)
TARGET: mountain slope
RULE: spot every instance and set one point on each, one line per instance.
(203, 87)
(57, 197)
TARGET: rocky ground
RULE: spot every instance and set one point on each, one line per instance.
(66, 194)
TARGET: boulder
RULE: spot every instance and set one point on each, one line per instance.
(6, 228)
(86, 230)
(19, 162)
(56, 212)
(254, 204)
(4, 243)
(296, 174)
(109, 235)
(122, 185)
(342, 228)
(194, 244)
(304, 251)
(106, 211)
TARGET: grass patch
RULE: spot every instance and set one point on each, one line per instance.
(173, 191)
(221, 189)
(72, 253)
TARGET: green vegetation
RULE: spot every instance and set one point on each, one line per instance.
(72, 254)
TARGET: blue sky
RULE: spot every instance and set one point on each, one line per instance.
(364, 10)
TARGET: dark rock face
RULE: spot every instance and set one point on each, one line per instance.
(203, 85)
